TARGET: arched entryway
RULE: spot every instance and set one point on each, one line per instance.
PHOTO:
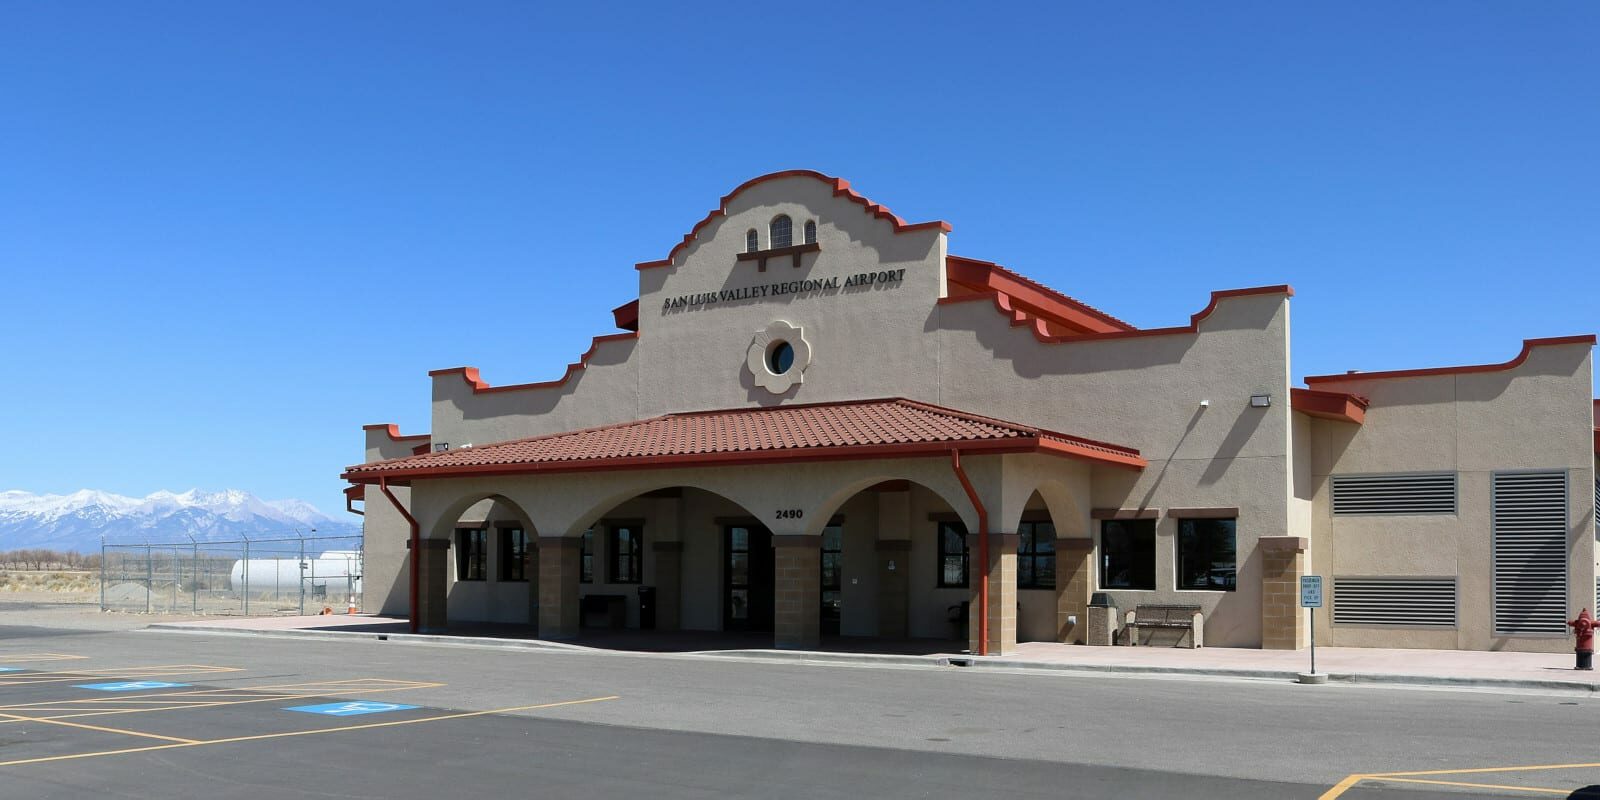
(478, 565)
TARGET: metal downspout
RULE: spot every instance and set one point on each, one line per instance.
(416, 544)
(983, 552)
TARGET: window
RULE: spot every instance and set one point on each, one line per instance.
(627, 553)
(1206, 554)
(751, 242)
(513, 554)
(781, 232)
(1128, 554)
(780, 357)
(586, 558)
(811, 231)
(470, 555)
(952, 555)
(1036, 555)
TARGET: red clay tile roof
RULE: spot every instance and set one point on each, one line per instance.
(825, 431)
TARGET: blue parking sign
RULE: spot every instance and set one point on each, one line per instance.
(350, 709)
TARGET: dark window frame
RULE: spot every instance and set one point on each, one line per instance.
(1141, 528)
(513, 565)
(633, 554)
(1178, 545)
(779, 237)
(810, 235)
(586, 557)
(1033, 556)
(472, 557)
(752, 241)
(944, 555)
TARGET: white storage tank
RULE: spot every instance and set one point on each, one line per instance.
(335, 572)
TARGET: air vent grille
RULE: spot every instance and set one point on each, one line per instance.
(1530, 552)
(1416, 602)
(1409, 493)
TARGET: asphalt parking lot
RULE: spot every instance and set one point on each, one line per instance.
(142, 714)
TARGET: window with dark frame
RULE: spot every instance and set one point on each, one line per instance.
(752, 242)
(1036, 555)
(1208, 554)
(625, 543)
(586, 558)
(832, 576)
(1128, 554)
(781, 232)
(513, 554)
(952, 555)
(811, 231)
(471, 546)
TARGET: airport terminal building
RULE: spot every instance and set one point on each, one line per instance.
(816, 421)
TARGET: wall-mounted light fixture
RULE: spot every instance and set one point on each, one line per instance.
(1260, 400)
(441, 447)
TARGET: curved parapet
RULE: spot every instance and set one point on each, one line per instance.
(841, 188)
(480, 386)
(1527, 349)
(384, 440)
(1020, 316)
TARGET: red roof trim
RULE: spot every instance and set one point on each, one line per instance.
(1004, 303)
(1049, 303)
(479, 386)
(1340, 406)
(1527, 348)
(841, 187)
(627, 316)
(393, 431)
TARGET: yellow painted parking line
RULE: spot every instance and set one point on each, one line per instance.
(207, 698)
(130, 673)
(313, 732)
(17, 718)
(1475, 770)
(1343, 786)
(1502, 787)
(22, 658)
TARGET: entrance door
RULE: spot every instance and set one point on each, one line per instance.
(747, 574)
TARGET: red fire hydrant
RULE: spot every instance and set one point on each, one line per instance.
(1583, 628)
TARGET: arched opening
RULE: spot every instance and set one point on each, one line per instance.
(894, 565)
(675, 558)
(752, 242)
(482, 563)
(811, 231)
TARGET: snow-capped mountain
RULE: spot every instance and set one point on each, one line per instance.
(77, 521)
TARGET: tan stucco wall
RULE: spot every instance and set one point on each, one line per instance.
(1473, 424)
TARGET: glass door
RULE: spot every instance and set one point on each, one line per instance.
(747, 602)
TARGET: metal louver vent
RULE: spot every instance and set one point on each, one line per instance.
(1530, 552)
(1409, 493)
(1419, 602)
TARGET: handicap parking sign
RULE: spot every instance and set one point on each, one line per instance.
(10, 669)
(350, 709)
(129, 686)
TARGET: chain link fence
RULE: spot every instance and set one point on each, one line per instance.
(247, 577)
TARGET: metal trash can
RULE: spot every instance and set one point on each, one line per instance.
(647, 608)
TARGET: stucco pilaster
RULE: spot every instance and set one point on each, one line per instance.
(798, 584)
(1074, 582)
(1283, 622)
(1002, 610)
(433, 581)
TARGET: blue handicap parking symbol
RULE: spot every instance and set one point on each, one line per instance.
(129, 686)
(10, 669)
(350, 709)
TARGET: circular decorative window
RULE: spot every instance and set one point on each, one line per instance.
(778, 356)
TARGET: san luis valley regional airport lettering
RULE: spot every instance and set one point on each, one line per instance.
(785, 287)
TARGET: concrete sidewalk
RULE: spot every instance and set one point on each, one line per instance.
(1438, 668)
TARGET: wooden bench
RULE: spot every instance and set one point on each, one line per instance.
(1158, 618)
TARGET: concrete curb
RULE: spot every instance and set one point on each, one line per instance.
(930, 661)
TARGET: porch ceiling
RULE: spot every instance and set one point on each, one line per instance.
(891, 428)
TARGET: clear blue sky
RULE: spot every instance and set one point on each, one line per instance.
(232, 233)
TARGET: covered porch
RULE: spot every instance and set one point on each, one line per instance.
(890, 519)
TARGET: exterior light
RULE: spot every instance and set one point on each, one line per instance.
(1260, 400)
(441, 447)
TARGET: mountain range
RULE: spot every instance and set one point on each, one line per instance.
(77, 521)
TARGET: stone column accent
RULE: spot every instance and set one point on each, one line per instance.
(1002, 611)
(1283, 621)
(797, 616)
(669, 584)
(894, 556)
(433, 585)
(558, 586)
(1074, 568)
